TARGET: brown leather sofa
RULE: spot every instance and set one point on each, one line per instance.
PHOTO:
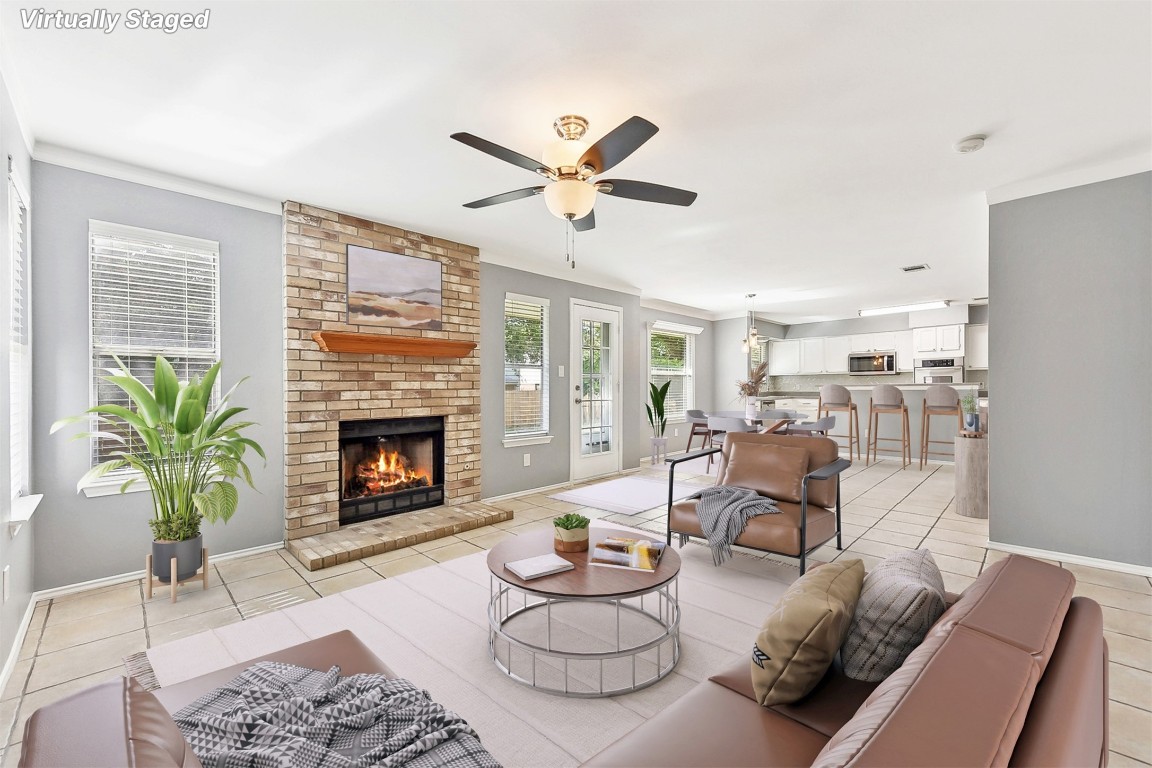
(1014, 673)
(118, 723)
(807, 496)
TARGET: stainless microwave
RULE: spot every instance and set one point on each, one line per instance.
(871, 363)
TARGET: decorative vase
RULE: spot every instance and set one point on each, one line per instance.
(751, 411)
(188, 554)
(571, 539)
(972, 422)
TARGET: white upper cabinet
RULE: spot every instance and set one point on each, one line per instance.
(938, 340)
(811, 356)
(862, 342)
(884, 342)
(904, 356)
(836, 351)
(783, 357)
(976, 344)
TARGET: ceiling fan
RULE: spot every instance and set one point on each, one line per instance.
(570, 165)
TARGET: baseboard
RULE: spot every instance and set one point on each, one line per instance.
(555, 486)
(17, 644)
(1065, 557)
(109, 581)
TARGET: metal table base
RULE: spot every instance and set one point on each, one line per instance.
(665, 617)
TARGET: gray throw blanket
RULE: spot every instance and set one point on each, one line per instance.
(275, 714)
(724, 511)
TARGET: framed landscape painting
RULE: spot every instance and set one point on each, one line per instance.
(393, 289)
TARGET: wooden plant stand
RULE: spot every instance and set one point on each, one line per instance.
(152, 581)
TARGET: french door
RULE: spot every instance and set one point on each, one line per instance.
(596, 386)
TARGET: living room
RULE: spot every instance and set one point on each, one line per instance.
(821, 141)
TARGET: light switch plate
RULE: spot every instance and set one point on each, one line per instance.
(560, 371)
(6, 579)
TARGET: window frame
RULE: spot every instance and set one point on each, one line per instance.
(111, 483)
(23, 501)
(544, 435)
(689, 333)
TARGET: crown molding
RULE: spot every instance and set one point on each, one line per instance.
(677, 309)
(82, 161)
(1077, 178)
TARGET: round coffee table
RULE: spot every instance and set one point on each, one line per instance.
(558, 633)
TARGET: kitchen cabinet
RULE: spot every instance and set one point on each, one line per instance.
(884, 342)
(905, 359)
(862, 342)
(811, 356)
(941, 340)
(976, 346)
(783, 358)
(805, 405)
(836, 351)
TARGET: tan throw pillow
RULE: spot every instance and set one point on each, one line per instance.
(774, 471)
(801, 636)
(902, 598)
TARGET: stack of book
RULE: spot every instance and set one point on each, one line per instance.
(633, 554)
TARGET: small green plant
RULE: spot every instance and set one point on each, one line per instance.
(655, 410)
(968, 403)
(571, 521)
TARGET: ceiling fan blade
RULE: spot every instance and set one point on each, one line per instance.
(642, 190)
(502, 153)
(505, 197)
(622, 141)
(586, 223)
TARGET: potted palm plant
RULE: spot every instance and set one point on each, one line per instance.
(971, 408)
(657, 418)
(188, 454)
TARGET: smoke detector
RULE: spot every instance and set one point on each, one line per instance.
(970, 144)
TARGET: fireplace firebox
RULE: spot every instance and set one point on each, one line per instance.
(390, 466)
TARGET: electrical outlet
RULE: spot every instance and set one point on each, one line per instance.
(675, 431)
(560, 371)
(6, 578)
(467, 465)
(527, 459)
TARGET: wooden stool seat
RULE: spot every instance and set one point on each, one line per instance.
(888, 399)
(939, 400)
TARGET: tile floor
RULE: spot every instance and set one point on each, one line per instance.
(81, 639)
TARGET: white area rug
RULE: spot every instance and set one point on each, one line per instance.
(431, 627)
(626, 495)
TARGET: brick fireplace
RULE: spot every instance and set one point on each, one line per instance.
(325, 390)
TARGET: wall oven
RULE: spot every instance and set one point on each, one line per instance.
(871, 363)
(940, 370)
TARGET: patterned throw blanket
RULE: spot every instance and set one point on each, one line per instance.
(724, 511)
(274, 714)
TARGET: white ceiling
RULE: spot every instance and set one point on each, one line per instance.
(817, 134)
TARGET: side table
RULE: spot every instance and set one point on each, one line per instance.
(972, 476)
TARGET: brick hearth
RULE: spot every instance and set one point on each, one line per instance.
(323, 388)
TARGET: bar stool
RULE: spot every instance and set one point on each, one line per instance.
(699, 424)
(939, 400)
(887, 399)
(834, 397)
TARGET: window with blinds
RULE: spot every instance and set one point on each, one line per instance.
(525, 366)
(19, 346)
(670, 360)
(152, 293)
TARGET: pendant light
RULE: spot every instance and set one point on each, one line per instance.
(752, 336)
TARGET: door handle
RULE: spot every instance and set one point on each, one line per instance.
(578, 400)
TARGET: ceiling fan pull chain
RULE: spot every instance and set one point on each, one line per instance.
(572, 247)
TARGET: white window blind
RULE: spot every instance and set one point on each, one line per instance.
(670, 360)
(20, 347)
(152, 293)
(525, 366)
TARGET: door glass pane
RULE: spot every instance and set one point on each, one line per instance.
(596, 415)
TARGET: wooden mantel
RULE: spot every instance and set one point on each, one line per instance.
(381, 344)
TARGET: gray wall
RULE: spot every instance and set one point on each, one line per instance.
(1061, 478)
(878, 324)
(15, 554)
(81, 538)
(729, 363)
(503, 468)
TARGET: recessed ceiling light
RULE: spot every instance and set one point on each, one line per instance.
(903, 308)
(970, 144)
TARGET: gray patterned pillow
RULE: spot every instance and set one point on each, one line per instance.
(900, 601)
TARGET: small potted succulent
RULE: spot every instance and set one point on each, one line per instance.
(571, 533)
(971, 409)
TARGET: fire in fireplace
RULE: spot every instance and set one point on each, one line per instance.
(389, 466)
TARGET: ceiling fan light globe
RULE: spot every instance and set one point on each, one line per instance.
(570, 198)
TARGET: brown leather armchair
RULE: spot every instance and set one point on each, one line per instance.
(801, 473)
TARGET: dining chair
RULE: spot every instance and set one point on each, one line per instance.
(699, 426)
(808, 428)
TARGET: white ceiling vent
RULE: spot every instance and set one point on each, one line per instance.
(915, 268)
